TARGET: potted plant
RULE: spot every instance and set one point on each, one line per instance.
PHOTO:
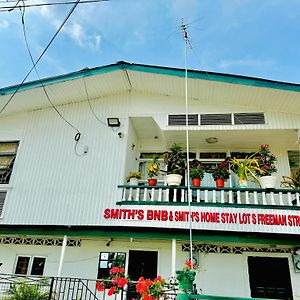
(133, 178)
(245, 169)
(292, 182)
(196, 172)
(175, 159)
(221, 173)
(266, 161)
(186, 276)
(153, 170)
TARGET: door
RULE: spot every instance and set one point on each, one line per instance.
(269, 278)
(142, 264)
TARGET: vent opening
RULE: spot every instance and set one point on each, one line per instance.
(249, 118)
(177, 120)
(215, 119)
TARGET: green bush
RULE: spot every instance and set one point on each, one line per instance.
(25, 291)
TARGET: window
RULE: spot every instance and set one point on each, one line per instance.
(107, 260)
(8, 151)
(2, 199)
(30, 265)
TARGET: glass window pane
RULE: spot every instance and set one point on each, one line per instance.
(38, 265)
(9, 147)
(22, 265)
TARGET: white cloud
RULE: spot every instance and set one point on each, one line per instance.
(245, 62)
(4, 24)
(81, 37)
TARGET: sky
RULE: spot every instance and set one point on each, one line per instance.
(245, 37)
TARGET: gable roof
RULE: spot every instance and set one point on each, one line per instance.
(122, 65)
(154, 80)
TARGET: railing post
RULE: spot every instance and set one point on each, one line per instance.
(51, 288)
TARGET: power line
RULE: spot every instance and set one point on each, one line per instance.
(42, 54)
(36, 71)
(10, 8)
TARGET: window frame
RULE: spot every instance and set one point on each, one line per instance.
(9, 154)
(30, 264)
(109, 261)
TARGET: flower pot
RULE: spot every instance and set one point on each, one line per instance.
(220, 182)
(243, 184)
(268, 182)
(152, 181)
(133, 181)
(186, 279)
(196, 181)
(173, 179)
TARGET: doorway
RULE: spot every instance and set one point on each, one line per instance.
(269, 277)
(142, 264)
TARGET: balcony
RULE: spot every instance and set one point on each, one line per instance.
(231, 196)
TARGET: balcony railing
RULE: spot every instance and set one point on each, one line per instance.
(132, 194)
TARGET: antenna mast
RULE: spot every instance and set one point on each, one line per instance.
(187, 43)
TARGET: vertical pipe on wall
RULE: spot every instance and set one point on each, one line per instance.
(62, 255)
(173, 258)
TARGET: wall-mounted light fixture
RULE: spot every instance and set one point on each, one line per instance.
(113, 122)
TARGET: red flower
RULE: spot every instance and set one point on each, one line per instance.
(121, 282)
(100, 286)
(146, 297)
(114, 280)
(158, 279)
(111, 291)
(189, 265)
(121, 270)
(114, 270)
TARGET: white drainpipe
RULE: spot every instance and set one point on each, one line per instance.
(62, 256)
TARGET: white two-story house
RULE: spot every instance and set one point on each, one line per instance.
(65, 208)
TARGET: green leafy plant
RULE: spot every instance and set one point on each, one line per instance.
(196, 169)
(292, 182)
(246, 168)
(137, 175)
(175, 159)
(26, 291)
(266, 161)
(221, 171)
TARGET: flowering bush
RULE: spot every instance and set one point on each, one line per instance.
(150, 289)
(196, 169)
(117, 282)
(153, 168)
(266, 160)
(147, 288)
(221, 171)
(189, 266)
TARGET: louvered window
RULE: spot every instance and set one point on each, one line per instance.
(2, 200)
(249, 118)
(176, 120)
(8, 151)
(215, 119)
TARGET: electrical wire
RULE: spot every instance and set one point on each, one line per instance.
(42, 54)
(11, 8)
(88, 99)
(37, 73)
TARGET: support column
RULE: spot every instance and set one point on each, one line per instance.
(173, 258)
(62, 256)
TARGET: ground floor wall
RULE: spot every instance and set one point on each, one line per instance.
(223, 270)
